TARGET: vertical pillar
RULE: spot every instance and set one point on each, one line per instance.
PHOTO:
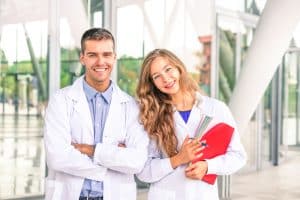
(271, 40)
(53, 46)
(110, 18)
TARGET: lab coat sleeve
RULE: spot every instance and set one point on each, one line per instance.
(60, 154)
(235, 156)
(156, 166)
(130, 159)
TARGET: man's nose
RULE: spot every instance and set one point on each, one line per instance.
(100, 60)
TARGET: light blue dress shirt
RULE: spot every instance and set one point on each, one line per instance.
(99, 105)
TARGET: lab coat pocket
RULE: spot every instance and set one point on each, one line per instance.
(128, 191)
(192, 191)
(161, 194)
(53, 189)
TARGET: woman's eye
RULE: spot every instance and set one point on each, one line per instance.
(169, 69)
(155, 77)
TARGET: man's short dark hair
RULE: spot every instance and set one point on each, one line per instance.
(96, 34)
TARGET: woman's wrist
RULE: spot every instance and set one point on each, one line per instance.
(176, 161)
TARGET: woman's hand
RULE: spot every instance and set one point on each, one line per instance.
(196, 170)
(187, 153)
(85, 149)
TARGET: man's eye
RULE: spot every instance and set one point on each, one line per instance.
(108, 55)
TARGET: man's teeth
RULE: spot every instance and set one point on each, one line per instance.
(100, 70)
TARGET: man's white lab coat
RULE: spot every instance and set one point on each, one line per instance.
(68, 120)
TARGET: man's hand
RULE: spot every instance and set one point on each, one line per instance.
(196, 170)
(122, 145)
(85, 149)
(90, 149)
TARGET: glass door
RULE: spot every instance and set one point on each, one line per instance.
(291, 98)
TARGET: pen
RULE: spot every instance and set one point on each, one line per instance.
(204, 144)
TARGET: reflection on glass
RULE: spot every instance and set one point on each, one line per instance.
(22, 157)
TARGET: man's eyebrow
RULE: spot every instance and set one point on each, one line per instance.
(91, 52)
(108, 52)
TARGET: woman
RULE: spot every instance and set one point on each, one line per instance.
(171, 109)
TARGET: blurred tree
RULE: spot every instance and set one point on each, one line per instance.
(69, 64)
(128, 73)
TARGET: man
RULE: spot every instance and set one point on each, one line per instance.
(94, 142)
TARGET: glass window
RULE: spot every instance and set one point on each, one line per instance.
(156, 24)
(291, 96)
(24, 51)
(23, 78)
(249, 6)
(130, 47)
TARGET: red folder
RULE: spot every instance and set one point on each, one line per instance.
(217, 139)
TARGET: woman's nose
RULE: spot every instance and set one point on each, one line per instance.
(165, 77)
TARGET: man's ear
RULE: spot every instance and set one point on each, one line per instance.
(81, 58)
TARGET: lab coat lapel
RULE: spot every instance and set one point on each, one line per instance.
(182, 129)
(115, 116)
(112, 122)
(81, 106)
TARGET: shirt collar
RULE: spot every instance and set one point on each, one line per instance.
(107, 94)
(90, 92)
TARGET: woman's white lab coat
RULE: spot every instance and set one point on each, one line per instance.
(171, 184)
(68, 120)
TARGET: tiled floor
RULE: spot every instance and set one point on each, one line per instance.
(272, 183)
(21, 156)
(22, 167)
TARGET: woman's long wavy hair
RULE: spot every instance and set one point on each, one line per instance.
(156, 108)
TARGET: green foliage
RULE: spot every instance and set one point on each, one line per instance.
(292, 96)
(128, 73)
(227, 64)
(9, 87)
(24, 66)
(69, 60)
